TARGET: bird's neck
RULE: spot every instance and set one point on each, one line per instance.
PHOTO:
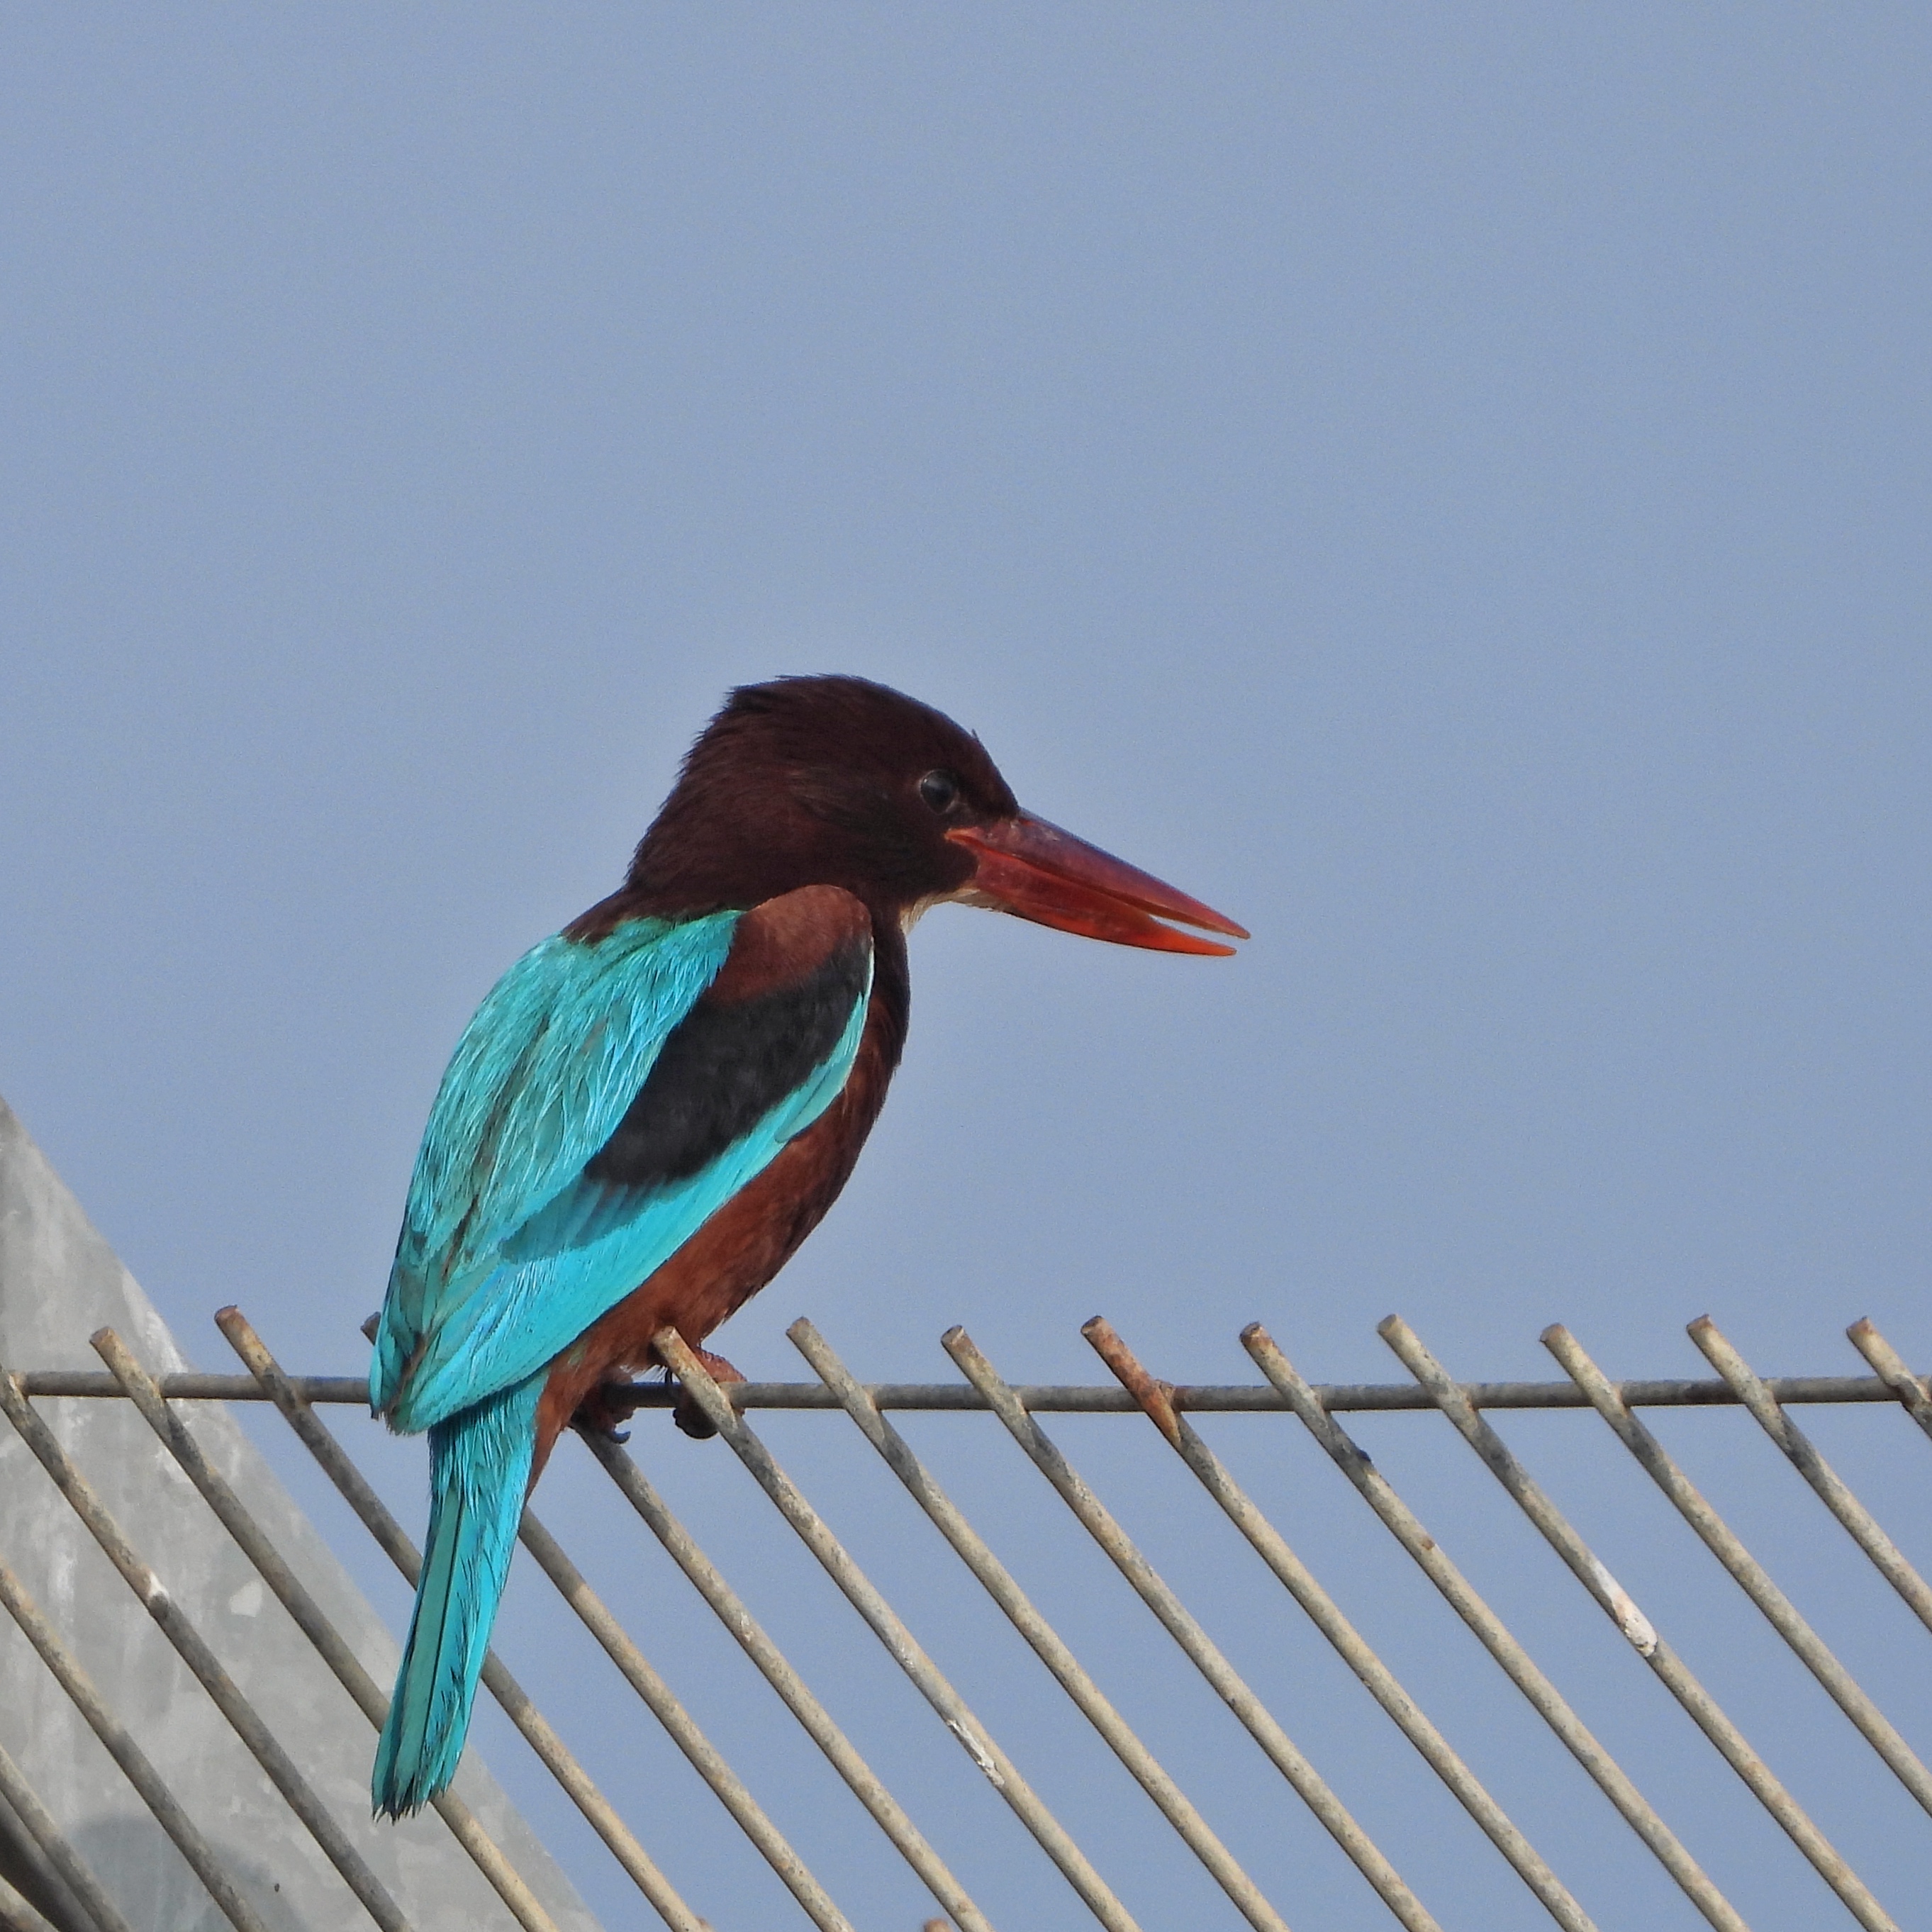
(892, 989)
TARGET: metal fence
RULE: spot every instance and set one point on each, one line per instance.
(167, 1404)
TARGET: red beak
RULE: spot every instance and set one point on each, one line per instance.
(1029, 868)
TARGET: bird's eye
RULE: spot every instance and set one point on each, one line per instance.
(940, 791)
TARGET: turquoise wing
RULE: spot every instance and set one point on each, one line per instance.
(541, 1077)
(527, 1219)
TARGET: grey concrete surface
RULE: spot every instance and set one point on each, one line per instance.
(59, 1282)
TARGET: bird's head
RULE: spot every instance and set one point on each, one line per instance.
(836, 781)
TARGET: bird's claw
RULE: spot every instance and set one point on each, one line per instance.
(599, 1413)
(692, 1420)
(685, 1412)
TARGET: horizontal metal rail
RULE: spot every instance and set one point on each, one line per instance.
(1200, 1649)
(517, 1706)
(1056, 1398)
(1327, 1616)
(973, 1551)
(904, 1649)
(1642, 1634)
(1281, 1391)
(1749, 1574)
(308, 1615)
(1514, 1661)
(1889, 1367)
(194, 1651)
(1762, 1398)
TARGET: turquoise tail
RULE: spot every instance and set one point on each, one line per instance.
(479, 1468)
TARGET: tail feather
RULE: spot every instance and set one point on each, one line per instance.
(479, 1468)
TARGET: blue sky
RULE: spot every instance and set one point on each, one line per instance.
(1449, 487)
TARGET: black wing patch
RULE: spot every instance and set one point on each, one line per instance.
(724, 1066)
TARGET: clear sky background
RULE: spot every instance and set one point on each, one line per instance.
(1450, 487)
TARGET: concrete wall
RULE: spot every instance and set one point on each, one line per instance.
(59, 1282)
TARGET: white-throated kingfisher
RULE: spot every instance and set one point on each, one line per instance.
(652, 1110)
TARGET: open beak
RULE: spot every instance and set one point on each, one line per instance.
(1029, 868)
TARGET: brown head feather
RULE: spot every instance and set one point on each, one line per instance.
(815, 781)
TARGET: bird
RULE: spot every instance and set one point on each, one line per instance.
(652, 1108)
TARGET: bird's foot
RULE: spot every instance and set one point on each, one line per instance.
(607, 1405)
(685, 1412)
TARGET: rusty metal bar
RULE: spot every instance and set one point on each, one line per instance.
(1889, 1365)
(1617, 1604)
(1039, 1399)
(1751, 1577)
(189, 1644)
(1757, 1397)
(307, 1614)
(40, 1823)
(1517, 1663)
(1353, 1649)
(974, 1552)
(900, 1644)
(517, 1706)
(202, 1858)
(862, 1781)
(704, 1756)
(1200, 1648)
